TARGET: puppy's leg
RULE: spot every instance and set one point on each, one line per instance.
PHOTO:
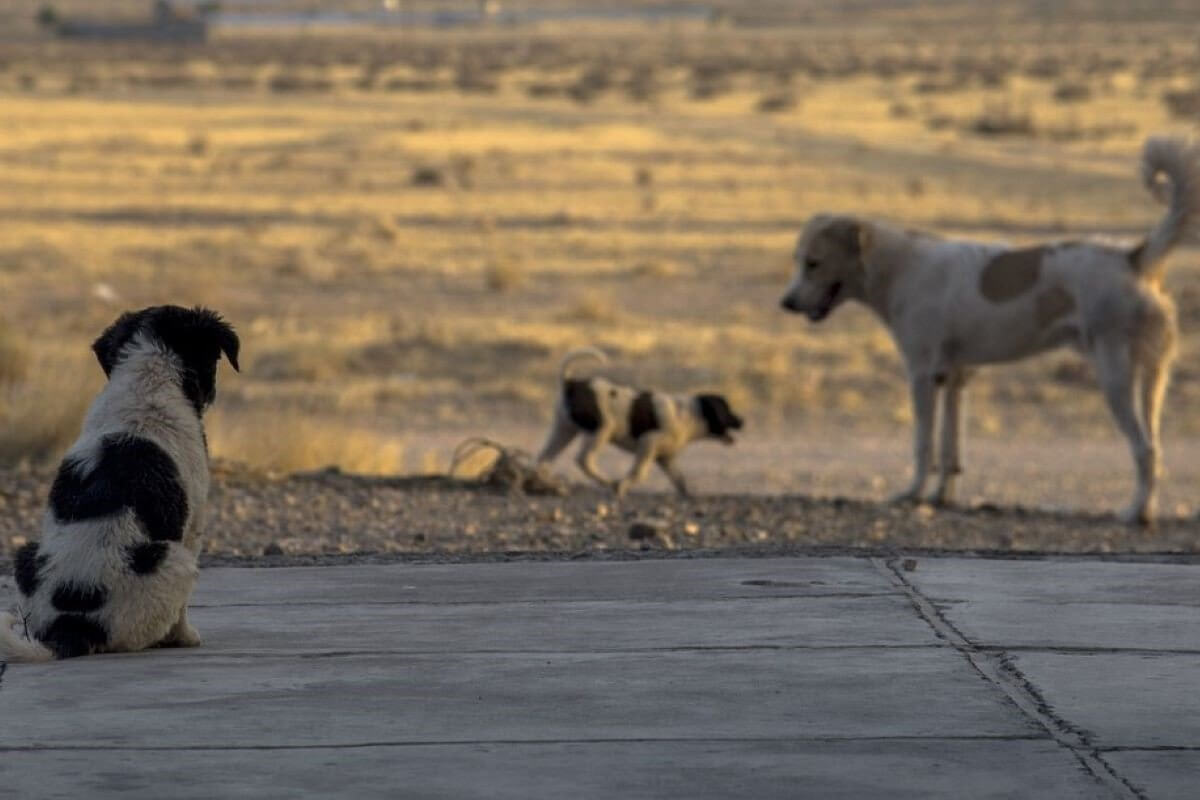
(646, 451)
(182, 634)
(1115, 370)
(668, 465)
(586, 459)
(950, 462)
(561, 435)
(924, 400)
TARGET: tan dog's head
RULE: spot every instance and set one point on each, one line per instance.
(829, 265)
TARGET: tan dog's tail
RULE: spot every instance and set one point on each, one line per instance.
(16, 647)
(575, 355)
(1171, 171)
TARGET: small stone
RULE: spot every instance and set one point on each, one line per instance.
(273, 549)
(640, 531)
(691, 528)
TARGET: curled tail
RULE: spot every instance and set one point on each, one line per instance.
(16, 647)
(1171, 172)
(576, 355)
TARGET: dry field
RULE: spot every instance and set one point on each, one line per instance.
(409, 228)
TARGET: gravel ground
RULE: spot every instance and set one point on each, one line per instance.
(329, 513)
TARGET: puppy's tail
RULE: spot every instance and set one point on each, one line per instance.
(1171, 172)
(16, 647)
(564, 369)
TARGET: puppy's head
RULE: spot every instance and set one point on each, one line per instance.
(829, 265)
(196, 336)
(718, 416)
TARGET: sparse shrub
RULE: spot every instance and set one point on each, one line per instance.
(41, 412)
(1184, 103)
(591, 83)
(503, 275)
(774, 102)
(1072, 92)
(47, 17)
(14, 360)
(642, 85)
(472, 79)
(197, 144)
(1001, 119)
(427, 176)
(709, 81)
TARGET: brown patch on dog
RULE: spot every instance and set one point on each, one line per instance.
(1051, 304)
(1011, 274)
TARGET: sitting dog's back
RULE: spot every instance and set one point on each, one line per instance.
(117, 558)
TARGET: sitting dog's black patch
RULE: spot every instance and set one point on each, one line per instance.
(27, 565)
(641, 415)
(131, 473)
(79, 598)
(144, 559)
(73, 635)
(582, 407)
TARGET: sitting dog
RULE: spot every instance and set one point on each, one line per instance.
(117, 558)
(952, 305)
(651, 425)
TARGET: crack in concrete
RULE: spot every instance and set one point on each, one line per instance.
(997, 668)
(798, 740)
(753, 598)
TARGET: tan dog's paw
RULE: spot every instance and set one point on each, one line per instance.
(620, 488)
(1136, 515)
(908, 497)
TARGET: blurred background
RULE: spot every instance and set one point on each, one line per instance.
(411, 210)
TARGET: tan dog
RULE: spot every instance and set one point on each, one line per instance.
(953, 305)
(653, 426)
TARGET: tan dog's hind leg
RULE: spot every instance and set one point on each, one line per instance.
(1115, 370)
(642, 461)
(924, 400)
(586, 459)
(950, 466)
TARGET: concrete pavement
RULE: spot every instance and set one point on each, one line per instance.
(691, 678)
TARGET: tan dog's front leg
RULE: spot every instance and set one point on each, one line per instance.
(668, 466)
(924, 400)
(647, 450)
(950, 466)
(182, 634)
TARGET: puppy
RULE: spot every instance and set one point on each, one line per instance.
(117, 558)
(953, 305)
(651, 425)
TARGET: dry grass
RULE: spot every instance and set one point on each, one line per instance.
(408, 237)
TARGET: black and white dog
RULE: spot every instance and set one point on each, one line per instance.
(116, 562)
(654, 426)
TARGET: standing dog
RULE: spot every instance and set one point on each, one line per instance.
(117, 559)
(653, 426)
(952, 305)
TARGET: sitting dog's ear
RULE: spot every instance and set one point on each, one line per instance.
(197, 335)
(108, 346)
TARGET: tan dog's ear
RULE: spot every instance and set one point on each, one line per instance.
(852, 235)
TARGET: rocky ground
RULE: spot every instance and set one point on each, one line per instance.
(330, 513)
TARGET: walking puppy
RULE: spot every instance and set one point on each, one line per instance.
(117, 559)
(653, 426)
(952, 305)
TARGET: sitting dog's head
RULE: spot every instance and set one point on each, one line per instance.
(718, 416)
(196, 337)
(829, 265)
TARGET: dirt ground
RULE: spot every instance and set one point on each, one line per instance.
(804, 493)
